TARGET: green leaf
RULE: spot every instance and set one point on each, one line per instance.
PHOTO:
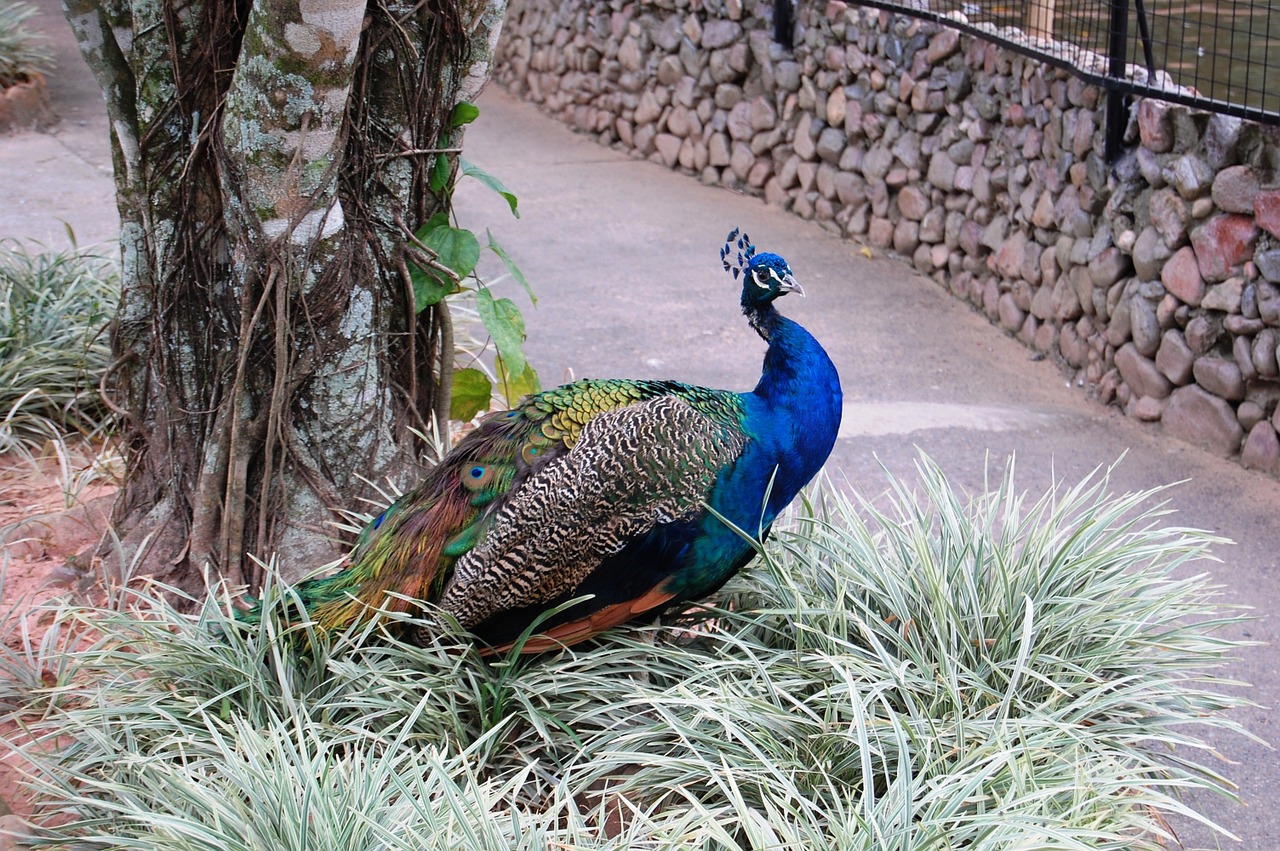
(517, 386)
(464, 113)
(471, 393)
(456, 248)
(472, 170)
(505, 324)
(511, 266)
(440, 173)
(438, 220)
(429, 287)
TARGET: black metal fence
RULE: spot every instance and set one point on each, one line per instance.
(1218, 56)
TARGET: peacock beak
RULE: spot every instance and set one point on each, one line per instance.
(791, 285)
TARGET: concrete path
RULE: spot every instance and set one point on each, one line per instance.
(624, 258)
(60, 180)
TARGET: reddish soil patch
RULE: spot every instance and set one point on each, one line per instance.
(43, 527)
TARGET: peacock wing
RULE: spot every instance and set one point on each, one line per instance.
(629, 470)
(408, 552)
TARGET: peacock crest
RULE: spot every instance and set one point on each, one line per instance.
(745, 251)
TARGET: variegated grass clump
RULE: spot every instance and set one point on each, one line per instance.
(23, 51)
(927, 672)
(54, 349)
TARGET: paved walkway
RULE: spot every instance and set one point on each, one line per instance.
(52, 181)
(623, 257)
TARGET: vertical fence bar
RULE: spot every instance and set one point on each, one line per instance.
(784, 23)
(1118, 32)
(1144, 33)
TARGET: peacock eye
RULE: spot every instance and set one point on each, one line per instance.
(478, 477)
(760, 276)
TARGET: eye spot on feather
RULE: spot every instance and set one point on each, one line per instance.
(529, 453)
(477, 477)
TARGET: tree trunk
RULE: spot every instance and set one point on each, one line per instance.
(272, 158)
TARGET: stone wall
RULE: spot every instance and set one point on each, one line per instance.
(1155, 281)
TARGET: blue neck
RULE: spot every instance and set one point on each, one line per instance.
(800, 400)
(791, 420)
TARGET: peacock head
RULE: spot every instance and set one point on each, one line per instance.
(765, 276)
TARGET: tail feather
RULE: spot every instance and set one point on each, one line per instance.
(397, 560)
(399, 566)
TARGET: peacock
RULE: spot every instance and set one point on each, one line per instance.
(604, 500)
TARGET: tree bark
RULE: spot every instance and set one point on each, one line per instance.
(270, 166)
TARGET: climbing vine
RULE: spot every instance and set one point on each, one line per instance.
(443, 260)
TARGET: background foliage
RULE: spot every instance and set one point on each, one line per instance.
(23, 51)
(54, 308)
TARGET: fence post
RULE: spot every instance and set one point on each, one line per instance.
(784, 23)
(1118, 41)
(1040, 19)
